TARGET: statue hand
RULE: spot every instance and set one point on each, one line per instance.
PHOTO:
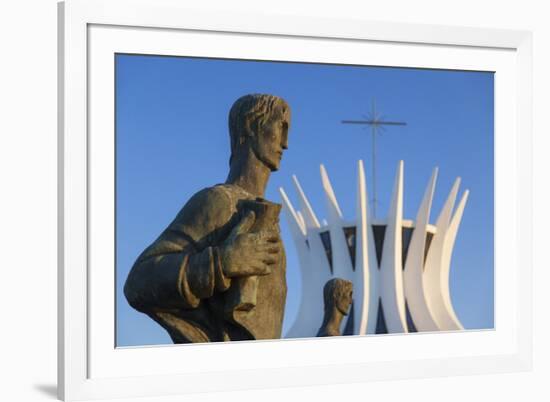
(248, 254)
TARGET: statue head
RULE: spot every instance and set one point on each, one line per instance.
(260, 123)
(338, 293)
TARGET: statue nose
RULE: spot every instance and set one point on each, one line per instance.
(284, 142)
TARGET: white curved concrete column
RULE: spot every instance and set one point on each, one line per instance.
(298, 232)
(414, 265)
(305, 207)
(342, 265)
(341, 260)
(450, 319)
(391, 267)
(432, 267)
(297, 228)
(315, 274)
(366, 286)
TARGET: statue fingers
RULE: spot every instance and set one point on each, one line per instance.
(244, 225)
(260, 269)
(269, 236)
(273, 249)
(269, 248)
(270, 260)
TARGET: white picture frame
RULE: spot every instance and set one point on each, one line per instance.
(91, 367)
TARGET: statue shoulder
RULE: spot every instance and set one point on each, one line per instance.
(206, 211)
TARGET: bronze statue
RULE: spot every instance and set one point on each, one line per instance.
(337, 295)
(218, 271)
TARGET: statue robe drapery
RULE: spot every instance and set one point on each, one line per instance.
(179, 282)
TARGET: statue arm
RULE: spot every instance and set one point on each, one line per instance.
(175, 272)
(175, 280)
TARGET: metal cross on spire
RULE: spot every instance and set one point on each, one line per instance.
(376, 122)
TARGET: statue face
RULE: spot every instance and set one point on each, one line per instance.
(343, 303)
(272, 138)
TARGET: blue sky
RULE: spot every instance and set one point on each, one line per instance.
(172, 140)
